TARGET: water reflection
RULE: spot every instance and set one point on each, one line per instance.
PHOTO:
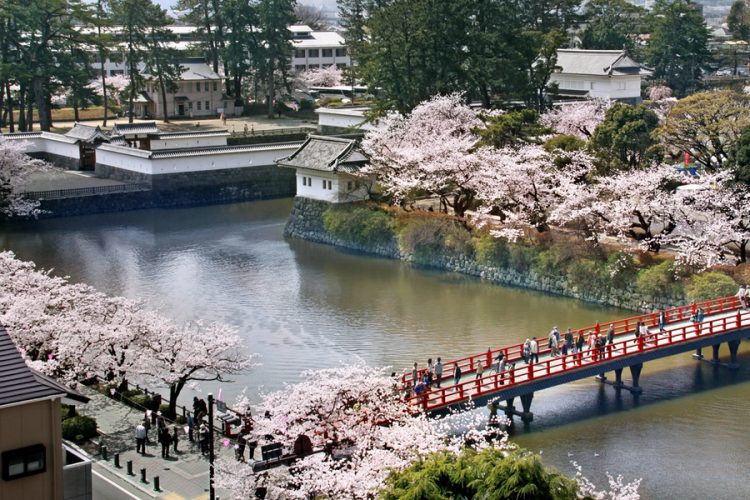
(302, 305)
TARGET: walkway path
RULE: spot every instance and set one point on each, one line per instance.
(724, 322)
(184, 476)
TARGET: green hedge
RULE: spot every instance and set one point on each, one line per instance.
(656, 280)
(432, 238)
(709, 286)
(491, 251)
(588, 275)
(79, 428)
(359, 224)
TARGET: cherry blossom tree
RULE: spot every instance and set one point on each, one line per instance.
(430, 151)
(322, 77)
(15, 168)
(578, 118)
(116, 85)
(72, 332)
(525, 185)
(355, 413)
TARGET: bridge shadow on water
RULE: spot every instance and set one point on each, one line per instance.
(589, 399)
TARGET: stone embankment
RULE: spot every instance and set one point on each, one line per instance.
(306, 222)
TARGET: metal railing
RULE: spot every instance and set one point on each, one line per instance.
(435, 398)
(56, 194)
(273, 131)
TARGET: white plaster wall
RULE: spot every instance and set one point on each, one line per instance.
(137, 160)
(343, 119)
(187, 142)
(600, 86)
(355, 194)
(60, 148)
(33, 144)
(316, 191)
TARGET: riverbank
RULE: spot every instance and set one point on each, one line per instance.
(552, 263)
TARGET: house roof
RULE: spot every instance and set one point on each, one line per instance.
(596, 62)
(327, 154)
(86, 133)
(319, 39)
(19, 383)
(197, 70)
(221, 132)
(126, 129)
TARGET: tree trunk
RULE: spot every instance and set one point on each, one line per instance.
(9, 104)
(271, 93)
(41, 103)
(163, 91)
(22, 108)
(76, 115)
(30, 114)
(104, 92)
(174, 392)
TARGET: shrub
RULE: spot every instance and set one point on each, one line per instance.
(429, 237)
(656, 280)
(708, 286)
(521, 257)
(621, 269)
(491, 251)
(551, 262)
(361, 225)
(140, 401)
(587, 275)
(79, 428)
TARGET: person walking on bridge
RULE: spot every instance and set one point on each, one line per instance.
(415, 375)
(479, 370)
(534, 350)
(526, 351)
(742, 295)
(569, 341)
(438, 371)
(456, 374)
(580, 342)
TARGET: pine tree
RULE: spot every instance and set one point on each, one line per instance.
(275, 47)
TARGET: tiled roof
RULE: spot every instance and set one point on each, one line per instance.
(596, 62)
(328, 154)
(19, 383)
(183, 135)
(211, 150)
(85, 133)
(126, 129)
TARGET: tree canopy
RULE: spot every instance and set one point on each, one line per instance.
(623, 140)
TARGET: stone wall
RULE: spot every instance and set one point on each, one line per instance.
(170, 190)
(306, 222)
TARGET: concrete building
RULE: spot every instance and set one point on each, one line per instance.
(34, 464)
(326, 168)
(317, 49)
(343, 120)
(608, 74)
(72, 151)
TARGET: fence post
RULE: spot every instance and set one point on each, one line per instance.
(130, 467)
(117, 460)
(156, 483)
(143, 475)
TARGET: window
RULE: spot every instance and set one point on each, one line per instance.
(299, 53)
(208, 105)
(190, 106)
(197, 86)
(205, 86)
(300, 67)
(341, 52)
(349, 185)
(116, 72)
(216, 86)
(621, 85)
(327, 52)
(326, 65)
(24, 462)
(312, 53)
(327, 184)
(198, 105)
(341, 65)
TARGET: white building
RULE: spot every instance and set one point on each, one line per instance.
(200, 93)
(317, 49)
(326, 169)
(608, 74)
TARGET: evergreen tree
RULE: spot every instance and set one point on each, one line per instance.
(275, 47)
(678, 49)
(102, 20)
(610, 24)
(738, 20)
(133, 16)
(624, 140)
(242, 42)
(162, 60)
(353, 16)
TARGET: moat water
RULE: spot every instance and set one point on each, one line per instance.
(301, 305)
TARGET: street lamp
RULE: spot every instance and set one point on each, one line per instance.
(211, 491)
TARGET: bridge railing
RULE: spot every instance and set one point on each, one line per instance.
(514, 353)
(438, 397)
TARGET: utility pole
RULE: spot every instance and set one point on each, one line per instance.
(211, 491)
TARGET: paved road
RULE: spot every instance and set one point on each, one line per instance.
(106, 486)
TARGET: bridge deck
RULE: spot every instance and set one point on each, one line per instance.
(724, 320)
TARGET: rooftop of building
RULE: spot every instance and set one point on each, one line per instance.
(597, 62)
(326, 154)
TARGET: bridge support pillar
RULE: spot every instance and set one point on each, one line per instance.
(635, 372)
(715, 359)
(734, 345)
(618, 379)
(510, 410)
(698, 354)
(527, 416)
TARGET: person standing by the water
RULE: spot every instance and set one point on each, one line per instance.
(415, 375)
(479, 370)
(456, 374)
(534, 350)
(526, 351)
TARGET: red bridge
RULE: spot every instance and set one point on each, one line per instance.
(724, 321)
